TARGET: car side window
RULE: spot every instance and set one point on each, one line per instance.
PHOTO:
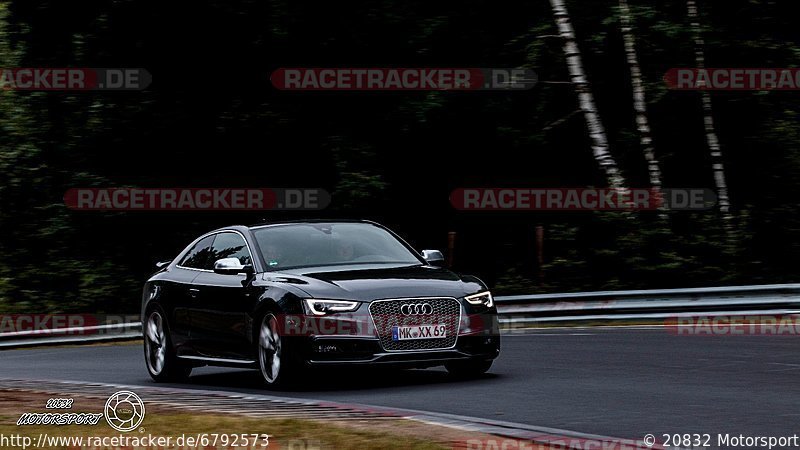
(229, 245)
(198, 256)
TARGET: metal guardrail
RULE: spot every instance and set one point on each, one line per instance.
(778, 299)
(73, 335)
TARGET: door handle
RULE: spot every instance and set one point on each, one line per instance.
(193, 292)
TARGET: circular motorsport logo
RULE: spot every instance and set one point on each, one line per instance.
(124, 411)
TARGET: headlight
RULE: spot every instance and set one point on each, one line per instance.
(484, 298)
(321, 307)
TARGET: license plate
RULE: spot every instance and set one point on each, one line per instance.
(418, 332)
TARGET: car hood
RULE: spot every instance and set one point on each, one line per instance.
(375, 283)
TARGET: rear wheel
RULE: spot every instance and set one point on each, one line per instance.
(468, 369)
(162, 363)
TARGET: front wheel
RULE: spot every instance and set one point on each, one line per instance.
(468, 369)
(276, 367)
(162, 363)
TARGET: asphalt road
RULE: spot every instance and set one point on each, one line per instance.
(614, 382)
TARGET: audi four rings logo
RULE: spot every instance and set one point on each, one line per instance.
(416, 309)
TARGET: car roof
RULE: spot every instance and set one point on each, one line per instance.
(309, 221)
(243, 228)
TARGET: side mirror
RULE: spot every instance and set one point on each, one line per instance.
(433, 257)
(162, 264)
(231, 266)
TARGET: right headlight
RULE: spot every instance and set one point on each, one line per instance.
(319, 307)
(484, 298)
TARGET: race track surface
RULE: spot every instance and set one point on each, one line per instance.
(614, 382)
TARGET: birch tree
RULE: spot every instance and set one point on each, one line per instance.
(597, 133)
(712, 139)
(639, 96)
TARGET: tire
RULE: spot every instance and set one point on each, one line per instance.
(468, 369)
(277, 369)
(162, 363)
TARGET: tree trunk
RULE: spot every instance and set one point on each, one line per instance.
(708, 117)
(597, 132)
(639, 98)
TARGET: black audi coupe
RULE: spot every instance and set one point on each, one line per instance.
(286, 297)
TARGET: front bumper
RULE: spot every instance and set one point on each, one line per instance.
(367, 336)
(332, 352)
(327, 350)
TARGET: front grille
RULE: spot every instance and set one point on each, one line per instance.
(387, 314)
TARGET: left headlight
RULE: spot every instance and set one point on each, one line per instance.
(319, 307)
(484, 298)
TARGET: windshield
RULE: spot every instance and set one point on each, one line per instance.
(329, 244)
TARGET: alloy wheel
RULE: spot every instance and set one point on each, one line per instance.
(269, 349)
(155, 343)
